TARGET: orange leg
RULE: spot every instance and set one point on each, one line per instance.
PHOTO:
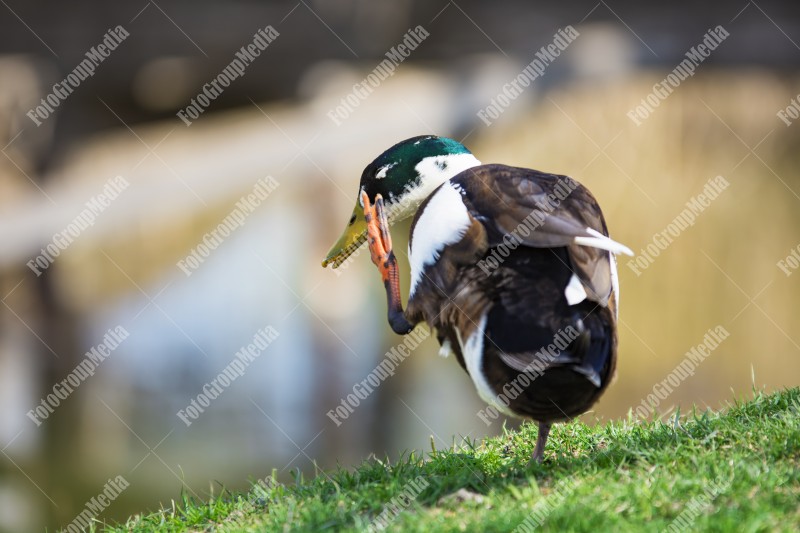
(380, 249)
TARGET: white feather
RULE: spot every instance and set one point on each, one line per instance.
(575, 292)
(473, 358)
(440, 168)
(445, 350)
(614, 282)
(383, 170)
(598, 240)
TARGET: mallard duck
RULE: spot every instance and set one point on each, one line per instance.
(512, 268)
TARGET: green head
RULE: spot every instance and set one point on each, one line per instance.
(404, 175)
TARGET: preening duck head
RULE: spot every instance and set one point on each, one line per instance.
(404, 175)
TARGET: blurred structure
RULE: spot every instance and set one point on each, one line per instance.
(181, 182)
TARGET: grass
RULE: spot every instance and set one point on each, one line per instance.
(736, 470)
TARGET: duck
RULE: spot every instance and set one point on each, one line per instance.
(512, 268)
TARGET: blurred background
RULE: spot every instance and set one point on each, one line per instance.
(275, 122)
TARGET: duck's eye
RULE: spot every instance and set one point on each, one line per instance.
(352, 220)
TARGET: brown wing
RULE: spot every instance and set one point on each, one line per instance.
(532, 208)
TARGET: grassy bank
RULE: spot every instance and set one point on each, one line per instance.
(735, 470)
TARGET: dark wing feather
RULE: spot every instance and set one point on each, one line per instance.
(533, 329)
(533, 206)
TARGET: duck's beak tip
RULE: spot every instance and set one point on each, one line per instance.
(353, 236)
(330, 260)
(334, 254)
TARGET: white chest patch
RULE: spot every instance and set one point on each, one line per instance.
(443, 222)
(575, 292)
(473, 358)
